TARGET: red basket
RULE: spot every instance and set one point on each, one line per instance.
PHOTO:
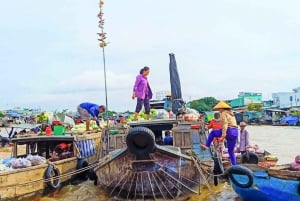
(56, 123)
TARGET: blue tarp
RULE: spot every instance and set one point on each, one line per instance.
(86, 148)
(290, 120)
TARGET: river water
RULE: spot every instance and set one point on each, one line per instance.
(280, 141)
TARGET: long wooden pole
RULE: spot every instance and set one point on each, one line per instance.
(102, 44)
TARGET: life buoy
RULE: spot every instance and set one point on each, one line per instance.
(250, 158)
(52, 177)
(81, 163)
(240, 170)
(140, 141)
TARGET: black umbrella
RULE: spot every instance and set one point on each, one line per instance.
(178, 103)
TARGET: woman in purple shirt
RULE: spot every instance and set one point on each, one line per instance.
(142, 92)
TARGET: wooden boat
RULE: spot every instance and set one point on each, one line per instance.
(46, 177)
(263, 159)
(277, 183)
(144, 170)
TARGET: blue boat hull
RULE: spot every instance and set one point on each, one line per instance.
(265, 187)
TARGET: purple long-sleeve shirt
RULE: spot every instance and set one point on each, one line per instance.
(142, 88)
(244, 140)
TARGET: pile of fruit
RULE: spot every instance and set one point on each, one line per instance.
(142, 116)
(82, 127)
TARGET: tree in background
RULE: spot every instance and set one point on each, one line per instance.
(296, 113)
(203, 104)
(255, 107)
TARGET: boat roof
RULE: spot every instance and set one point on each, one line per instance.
(42, 138)
(274, 110)
(25, 126)
(153, 122)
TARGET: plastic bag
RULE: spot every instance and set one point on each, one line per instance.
(36, 160)
(3, 167)
(162, 114)
(20, 163)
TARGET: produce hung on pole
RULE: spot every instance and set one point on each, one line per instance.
(102, 35)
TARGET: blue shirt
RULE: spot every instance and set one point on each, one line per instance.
(168, 105)
(168, 140)
(92, 108)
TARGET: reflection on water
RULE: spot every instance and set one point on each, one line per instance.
(280, 141)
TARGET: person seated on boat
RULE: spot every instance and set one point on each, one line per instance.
(229, 130)
(168, 140)
(168, 104)
(61, 151)
(244, 138)
(142, 91)
(88, 111)
(215, 125)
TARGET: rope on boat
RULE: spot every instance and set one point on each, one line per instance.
(197, 163)
(53, 178)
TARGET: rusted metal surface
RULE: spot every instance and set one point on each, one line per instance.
(164, 173)
(164, 176)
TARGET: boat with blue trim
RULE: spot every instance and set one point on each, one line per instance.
(278, 183)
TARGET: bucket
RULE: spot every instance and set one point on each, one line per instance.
(48, 131)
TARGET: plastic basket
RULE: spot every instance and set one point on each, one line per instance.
(59, 130)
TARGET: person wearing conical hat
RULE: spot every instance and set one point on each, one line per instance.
(229, 130)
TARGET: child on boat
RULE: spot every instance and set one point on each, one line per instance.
(216, 124)
(229, 130)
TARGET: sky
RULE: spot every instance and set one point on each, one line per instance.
(50, 58)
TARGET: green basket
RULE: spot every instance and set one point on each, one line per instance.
(59, 130)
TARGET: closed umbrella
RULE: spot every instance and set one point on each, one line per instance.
(178, 104)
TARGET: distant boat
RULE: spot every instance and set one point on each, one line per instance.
(277, 183)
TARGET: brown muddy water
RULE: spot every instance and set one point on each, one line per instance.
(280, 141)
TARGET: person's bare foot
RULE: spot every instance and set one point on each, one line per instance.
(203, 146)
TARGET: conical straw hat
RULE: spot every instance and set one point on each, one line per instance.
(222, 105)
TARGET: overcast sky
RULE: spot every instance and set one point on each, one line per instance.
(50, 58)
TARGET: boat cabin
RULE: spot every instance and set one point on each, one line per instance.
(186, 135)
(50, 147)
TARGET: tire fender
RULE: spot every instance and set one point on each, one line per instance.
(93, 176)
(81, 163)
(240, 170)
(50, 171)
(140, 141)
(250, 158)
